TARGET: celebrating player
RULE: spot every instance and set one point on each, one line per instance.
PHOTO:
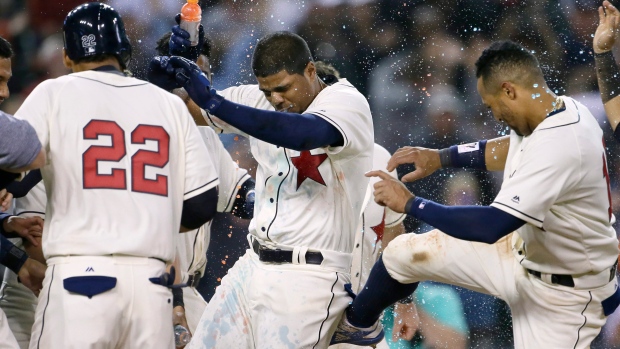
(126, 169)
(288, 289)
(236, 195)
(557, 270)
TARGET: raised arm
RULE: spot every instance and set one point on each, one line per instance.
(486, 154)
(607, 71)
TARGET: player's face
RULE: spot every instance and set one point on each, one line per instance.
(5, 75)
(501, 111)
(291, 93)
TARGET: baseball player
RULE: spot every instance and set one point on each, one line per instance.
(236, 195)
(126, 169)
(288, 289)
(557, 270)
(17, 301)
(19, 149)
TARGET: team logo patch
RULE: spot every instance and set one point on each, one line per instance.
(89, 269)
(515, 199)
(422, 204)
(88, 43)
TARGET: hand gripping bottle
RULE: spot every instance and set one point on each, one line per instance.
(190, 20)
(181, 336)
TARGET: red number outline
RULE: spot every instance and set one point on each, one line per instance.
(91, 178)
(143, 158)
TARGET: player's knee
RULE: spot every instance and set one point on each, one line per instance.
(413, 248)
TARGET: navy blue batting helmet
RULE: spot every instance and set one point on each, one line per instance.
(94, 29)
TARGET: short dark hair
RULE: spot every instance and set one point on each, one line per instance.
(163, 46)
(280, 51)
(5, 48)
(507, 61)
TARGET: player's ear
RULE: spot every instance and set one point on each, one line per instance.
(508, 90)
(310, 70)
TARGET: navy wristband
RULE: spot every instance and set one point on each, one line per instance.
(469, 155)
(11, 256)
(177, 298)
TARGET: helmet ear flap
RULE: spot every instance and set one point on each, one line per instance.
(95, 29)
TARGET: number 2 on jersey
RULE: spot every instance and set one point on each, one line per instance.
(142, 158)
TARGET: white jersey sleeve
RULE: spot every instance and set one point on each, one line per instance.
(248, 95)
(200, 173)
(540, 179)
(345, 108)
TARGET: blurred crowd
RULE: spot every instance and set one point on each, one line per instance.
(413, 59)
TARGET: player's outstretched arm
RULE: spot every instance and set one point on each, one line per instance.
(288, 130)
(471, 223)
(607, 71)
(487, 154)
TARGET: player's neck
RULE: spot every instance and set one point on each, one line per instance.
(84, 66)
(541, 107)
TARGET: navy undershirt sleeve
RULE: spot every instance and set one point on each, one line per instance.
(19, 189)
(288, 130)
(199, 209)
(472, 223)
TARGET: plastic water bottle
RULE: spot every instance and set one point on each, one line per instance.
(181, 336)
(190, 20)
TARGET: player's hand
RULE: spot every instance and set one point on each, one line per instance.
(390, 192)
(195, 82)
(5, 200)
(28, 228)
(426, 162)
(32, 274)
(178, 318)
(406, 321)
(159, 75)
(179, 44)
(609, 21)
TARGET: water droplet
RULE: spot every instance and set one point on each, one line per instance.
(535, 85)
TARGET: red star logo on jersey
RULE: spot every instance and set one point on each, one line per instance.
(379, 229)
(308, 167)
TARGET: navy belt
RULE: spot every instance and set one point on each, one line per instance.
(567, 280)
(283, 256)
(558, 279)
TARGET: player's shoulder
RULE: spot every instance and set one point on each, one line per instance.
(249, 95)
(342, 93)
(380, 151)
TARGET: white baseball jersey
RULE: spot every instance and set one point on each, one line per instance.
(192, 246)
(312, 198)
(376, 218)
(556, 180)
(122, 155)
